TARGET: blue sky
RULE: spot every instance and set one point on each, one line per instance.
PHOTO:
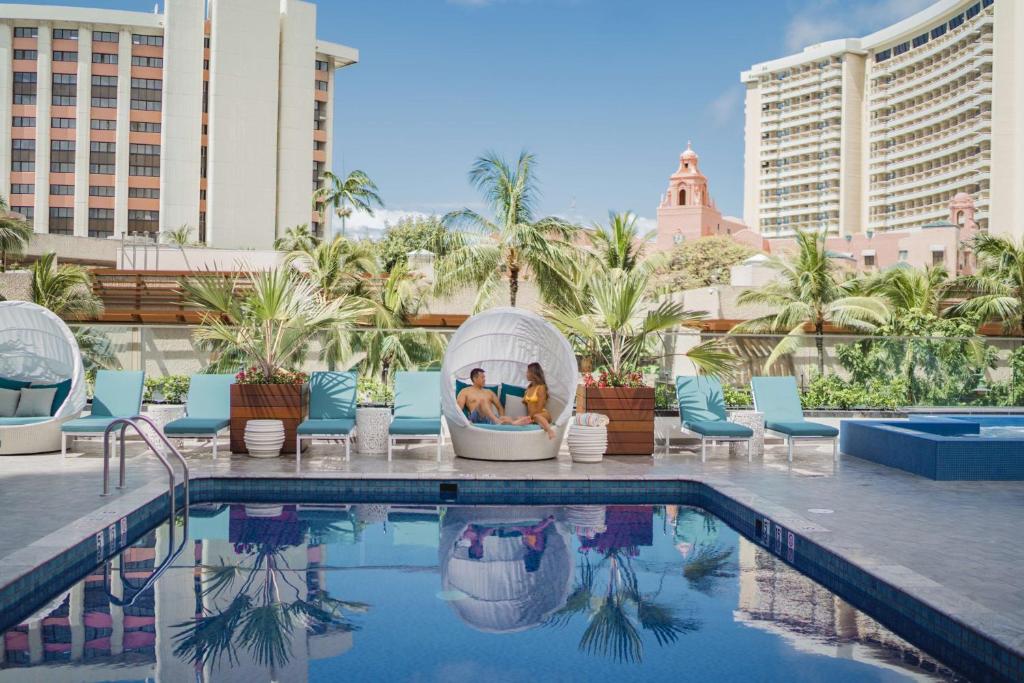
(605, 92)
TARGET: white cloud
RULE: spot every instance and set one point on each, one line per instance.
(362, 224)
(725, 108)
(815, 21)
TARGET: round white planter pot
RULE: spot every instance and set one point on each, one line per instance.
(587, 444)
(264, 438)
(162, 413)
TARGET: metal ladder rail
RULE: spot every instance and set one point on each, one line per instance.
(174, 553)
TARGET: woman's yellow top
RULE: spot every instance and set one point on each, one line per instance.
(536, 398)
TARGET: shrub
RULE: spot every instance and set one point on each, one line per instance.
(166, 389)
(372, 390)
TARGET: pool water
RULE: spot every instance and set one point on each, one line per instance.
(374, 592)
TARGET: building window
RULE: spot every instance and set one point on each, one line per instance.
(920, 40)
(974, 10)
(202, 161)
(322, 65)
(321, 86)
(101, 158)
(146, 94)
(202, 195)
(144, 160)
(956, 21)
(206, 97)
(101, 222)
(153, 41)
(63, 56)
(103, 124)
(23, 155)
(938, 31)
(23, 188)
(938, 258)
(30, 55)
(145, 127)
(105, 37)
(62, 156)
(143, 221)
(62, 220)
(883, 55)
(65, 34)
(26, 31)
(56, 122)
(104, 92)
(202, 227)
(101, 190)
(903, 255)
(29, 212)
(62, 190)
(151, 62)
(206, 42)
(65, 87)
(24, 87)
(104, 58)
(144, 193)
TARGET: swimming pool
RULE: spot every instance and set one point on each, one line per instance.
(376, 591)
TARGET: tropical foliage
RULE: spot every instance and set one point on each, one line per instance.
(701, 263)
(15, 233)
(179, 237)
(514, 243)
(296, 238)
(65, 289)
(619, 244)
(416, 234)
(996, 291)
(354, 191)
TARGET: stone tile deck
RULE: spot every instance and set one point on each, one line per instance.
(960, 539)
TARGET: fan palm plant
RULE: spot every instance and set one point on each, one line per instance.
(620, 321)
(996, 291)
(296, 238)
(15, 233)
(808, 291)
(906, 289)
(620, 244)
(356, 189)
(268, 324)
(511, 244)
(178, 237)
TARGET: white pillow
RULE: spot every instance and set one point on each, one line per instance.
(35, 402)
(9, 402)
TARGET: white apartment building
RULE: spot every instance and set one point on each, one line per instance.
(216, 114)
(881, 132)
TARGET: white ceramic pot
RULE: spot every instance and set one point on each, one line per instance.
(587, 444)
(586, 516)
(264, 438)
(263, 511)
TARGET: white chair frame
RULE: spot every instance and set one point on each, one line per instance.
(395, 438)
(347, 438)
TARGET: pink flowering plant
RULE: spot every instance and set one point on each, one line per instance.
(609, 378)
(256, 375)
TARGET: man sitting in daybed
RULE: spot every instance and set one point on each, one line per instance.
(481, 403)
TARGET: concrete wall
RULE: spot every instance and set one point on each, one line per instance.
(16, 285)
(851, 173)
(752, 157)
(1007, 213)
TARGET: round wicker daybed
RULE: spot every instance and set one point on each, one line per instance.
(37, 347)
(503, 341)
(500, 584)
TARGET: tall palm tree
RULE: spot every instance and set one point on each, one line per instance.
(619, 244)
(65, 289)
(808, 291)
(178, 237)
(296, 238)
(356, 189)
(514, 243)
(996, 291)
(15, 233)
(388, 346)
(906, 289)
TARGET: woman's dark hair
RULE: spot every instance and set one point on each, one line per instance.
(538, 373)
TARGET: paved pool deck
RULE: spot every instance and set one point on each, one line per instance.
(959, 544)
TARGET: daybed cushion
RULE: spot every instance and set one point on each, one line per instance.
(15, 421)
(15, 384)
(196, 425)
(340, 426)
(719, 428)
(63, 390)
(512, 399)
(415, 425)
(803, 428)
(9, 401)
(35, 402)
(88, 425)
(509, 428)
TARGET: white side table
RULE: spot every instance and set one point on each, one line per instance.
(754, 420)
(372, 424)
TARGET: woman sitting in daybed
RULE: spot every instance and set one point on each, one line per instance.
(536, 400)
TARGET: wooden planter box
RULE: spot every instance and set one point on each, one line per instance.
(288, 403)
(631, 415)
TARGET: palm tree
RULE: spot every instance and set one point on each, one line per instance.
(619, 320)
(65, 289)
(178, 237)
(268, 324)
(906, 289)
(356, 189)
(513, 244)
(388, 347)
(296, 238)
(619, 244)
(808, 292)
(15, 233)
(996, 291)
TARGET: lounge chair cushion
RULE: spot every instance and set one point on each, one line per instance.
(16, 421)
(719, 428)
(340, 426)
(803, 428)
(92, 424)
(509, 428)
(209, 397)
(332, 395)
(418, 395)
(118, 393)
(700, 399)
(415, 425)
(778, 398)
(196, 425)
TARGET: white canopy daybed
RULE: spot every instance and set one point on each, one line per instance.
(503, 341)
(37, 347)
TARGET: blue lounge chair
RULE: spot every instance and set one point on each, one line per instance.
(117, 394)
(702, 411)
(332, 411)
(779, 400)
(417, 409)
(207, 410)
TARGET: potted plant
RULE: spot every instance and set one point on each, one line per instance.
(618, 318)
(266, 325)
(165, 397)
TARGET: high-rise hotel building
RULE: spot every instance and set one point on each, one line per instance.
(216, 114)
(864, 135)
